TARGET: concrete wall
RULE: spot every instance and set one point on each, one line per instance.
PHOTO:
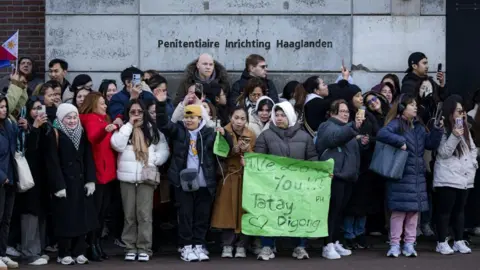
(374, 37)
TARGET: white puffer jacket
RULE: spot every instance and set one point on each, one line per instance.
(453, 171)
(128, 168)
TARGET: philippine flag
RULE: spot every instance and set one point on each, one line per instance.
(9, 49)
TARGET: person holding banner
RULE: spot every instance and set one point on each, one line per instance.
(192, 172)
(227, 209)
(285, 137)
(407, 197)
(339, 139)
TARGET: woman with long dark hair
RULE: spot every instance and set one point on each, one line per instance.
(141, 148)
(454, 174)
(254, 90)
(311, 105)
(108, 88)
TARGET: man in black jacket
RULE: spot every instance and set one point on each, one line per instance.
(417, 72)
(255, 66)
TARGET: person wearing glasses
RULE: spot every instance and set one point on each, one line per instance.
(254, 90)
(82, 86)
(255, 66)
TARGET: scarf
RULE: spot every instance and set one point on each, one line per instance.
(75, 135)
(209, 80)
(140, 147)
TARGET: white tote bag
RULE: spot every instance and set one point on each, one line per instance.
(25, 178)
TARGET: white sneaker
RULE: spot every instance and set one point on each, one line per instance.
(2, 265)
(227, 252)
(201, 253)
(205, 250)
(11, 251)
(81, 260)
(329, 252)
(188, 255)
(458, 246)
(39, 261)
(130, 257)
(240, 252)
(143, 257)
(444, 248)
(341, 250)
(9, 262)
(46, 257)
(266, 254)
(66, 260)
(300, 253)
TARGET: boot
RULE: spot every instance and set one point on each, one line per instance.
(93, 254)
(102, 253)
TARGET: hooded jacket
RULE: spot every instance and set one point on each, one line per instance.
(292, 142)
(189, 78)
(412, 80)
(254, 123)
(238, 86)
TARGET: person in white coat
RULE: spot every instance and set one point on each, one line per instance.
(454, 174)
(141, 149)
(261, 115)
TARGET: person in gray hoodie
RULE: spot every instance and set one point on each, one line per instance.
(339, 139)
(286, 138)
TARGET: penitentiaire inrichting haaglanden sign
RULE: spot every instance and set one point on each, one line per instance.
(285, 197)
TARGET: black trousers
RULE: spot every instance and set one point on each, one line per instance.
(115, 210)
(102, 197)
(450, 208)
(340, 195)
(193, 215)
(472, 210)
(71, 246)
(7, 200)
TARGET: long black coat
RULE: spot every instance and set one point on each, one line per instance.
(35, 201)
(70, 169)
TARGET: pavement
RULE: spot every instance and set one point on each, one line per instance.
(371, 259)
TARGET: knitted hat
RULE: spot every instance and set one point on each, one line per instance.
(193, 110)
(64, 109)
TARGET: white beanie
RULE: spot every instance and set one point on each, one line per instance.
(64, 109)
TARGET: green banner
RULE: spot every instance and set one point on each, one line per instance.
(285, 197)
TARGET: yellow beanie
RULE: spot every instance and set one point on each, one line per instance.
(193, 110)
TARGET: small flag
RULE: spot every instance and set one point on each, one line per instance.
(9, 49)
(4, 63)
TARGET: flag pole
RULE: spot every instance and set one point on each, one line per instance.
(16, 60)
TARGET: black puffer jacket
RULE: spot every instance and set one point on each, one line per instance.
(238, 86)
(180, 141)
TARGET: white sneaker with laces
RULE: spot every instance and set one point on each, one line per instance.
(205, 250)
(266, 254)
(227, 252)
(39, 261)
(188, 255)
(143, 257)
(300, 253)
(11, 251)
(2, 265)
(66, 260)
(330, 253)
(458, 246)
(81, 259)
(9, 262)
(341, 250)
(240, 252)
(200, 253)
(444, 248)
(130, 257)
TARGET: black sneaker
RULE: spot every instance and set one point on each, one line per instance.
(361, 242)
(349, 244)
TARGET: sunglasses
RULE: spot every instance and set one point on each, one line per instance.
(371, 101)
(264, 66)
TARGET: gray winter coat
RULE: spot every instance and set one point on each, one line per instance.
(292, 142)
(338, 141)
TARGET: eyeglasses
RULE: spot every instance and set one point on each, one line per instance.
(344, 111)
(264, 66)
(255, 95)
(371, 101)
(86, 87)
(136, 112)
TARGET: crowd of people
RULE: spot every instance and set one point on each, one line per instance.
(97, 156)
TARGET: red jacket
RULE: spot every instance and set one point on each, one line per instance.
(104, 156)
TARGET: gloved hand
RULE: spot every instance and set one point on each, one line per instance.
(90, 188)
(61, 193)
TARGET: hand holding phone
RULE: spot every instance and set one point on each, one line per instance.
(440, 75)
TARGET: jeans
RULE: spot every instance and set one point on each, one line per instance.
(354, 226)
(270, 241)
